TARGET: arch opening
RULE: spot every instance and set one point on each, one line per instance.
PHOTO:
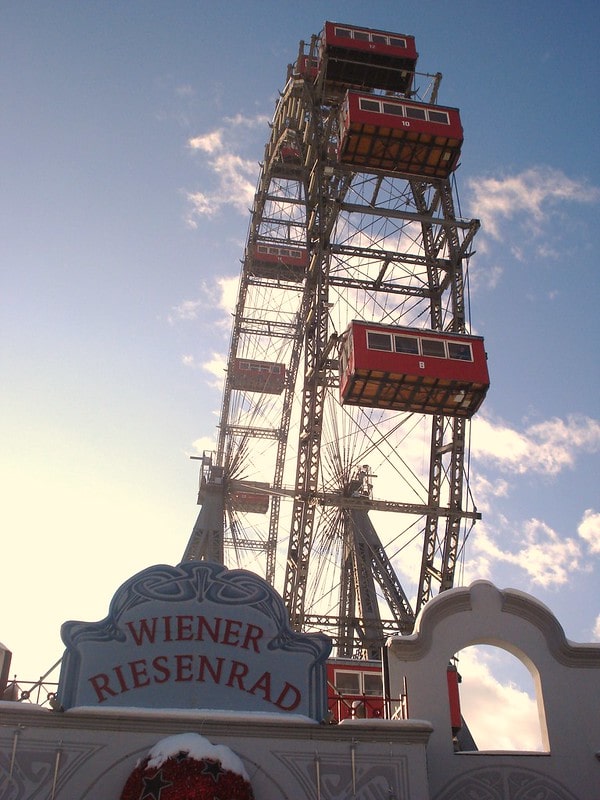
(501, 702)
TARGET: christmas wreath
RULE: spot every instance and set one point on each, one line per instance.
(188, 767)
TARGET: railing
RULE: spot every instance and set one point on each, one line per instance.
(353, 706)
(41, 692)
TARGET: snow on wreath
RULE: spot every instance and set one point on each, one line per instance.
(188, 767)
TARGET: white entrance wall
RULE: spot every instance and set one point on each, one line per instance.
(566, 678)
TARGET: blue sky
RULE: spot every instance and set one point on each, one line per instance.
(131, 134)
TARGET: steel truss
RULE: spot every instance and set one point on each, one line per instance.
(382, 247)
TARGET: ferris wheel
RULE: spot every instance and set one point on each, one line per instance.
(341, 470)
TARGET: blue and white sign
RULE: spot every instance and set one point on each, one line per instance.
(195, 636)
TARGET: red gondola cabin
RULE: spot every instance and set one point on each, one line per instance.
(354, 689)
(396, 135)
(454, 679)
(368, 59)
(308, 67)
(249, 497)
(257, 376)
(277, 261)
(408, 369)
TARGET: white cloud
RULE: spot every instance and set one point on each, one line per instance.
(547, 558)
(216, 367)
(487, 490)
(204, 443)
(499, 442)
(228, 293)
(236, 182)
(222, 295)
(201, 206)
(235, 175)
(186, 310)
(482, 274)
(237, 178)
(209, 143)
(532, 195)
(596, 632)
(477, 567)
(259, 121)
(589, 530)
(547, 447)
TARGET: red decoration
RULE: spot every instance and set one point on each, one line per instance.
(182, 777)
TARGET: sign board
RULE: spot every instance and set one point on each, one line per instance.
(195, 636)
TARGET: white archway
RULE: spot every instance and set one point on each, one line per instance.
(499, 700)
